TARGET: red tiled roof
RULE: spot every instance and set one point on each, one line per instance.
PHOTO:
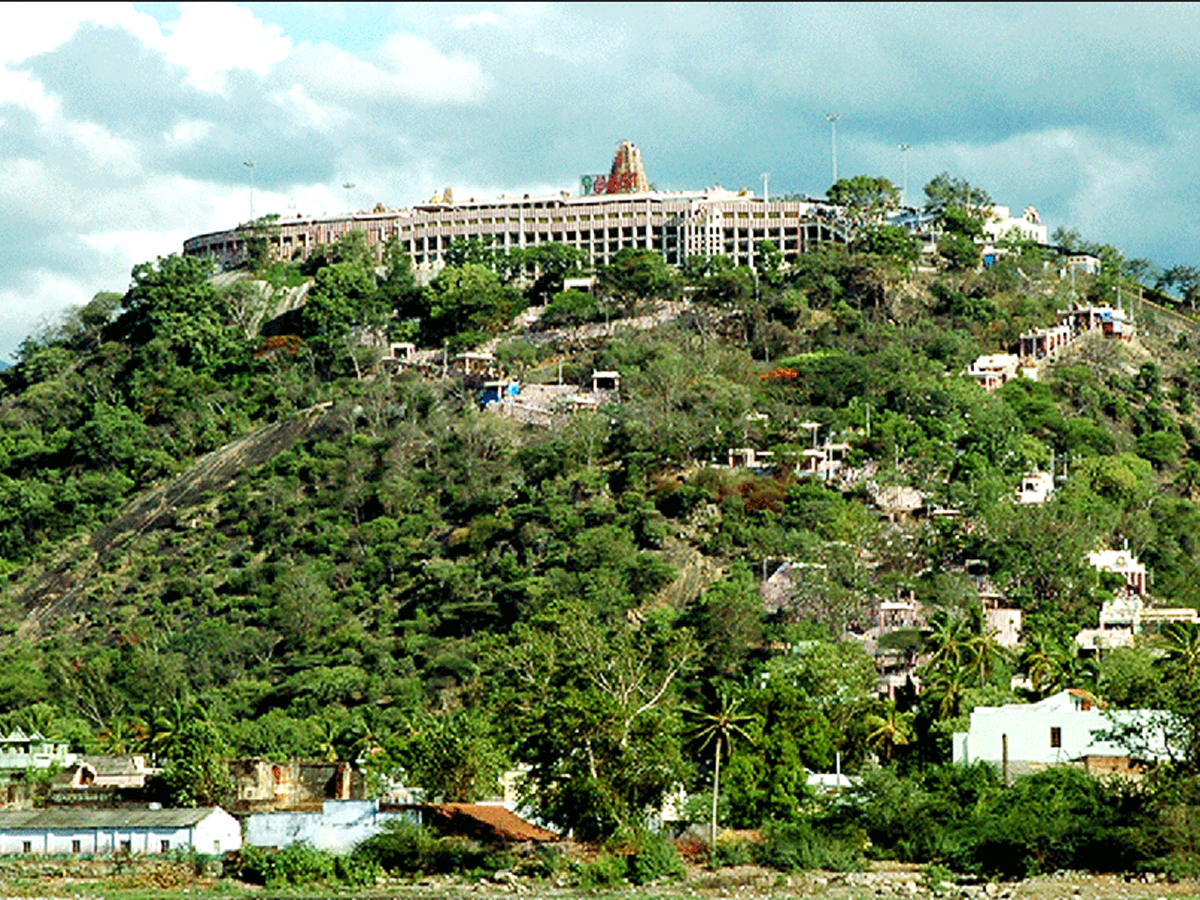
(486, 821)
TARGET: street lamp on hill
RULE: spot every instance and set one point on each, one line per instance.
(249, 164)
(833, 118)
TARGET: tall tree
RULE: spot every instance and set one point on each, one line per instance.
(342, 297)
(173, 301)
(590, 708)
(944, 191)
(196, 772)
(713, 729)
(867, 196)
(635, 275)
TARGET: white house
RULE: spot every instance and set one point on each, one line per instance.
(68, 830)
(1035, 487)
(1123, 563)
(1065, 728)
(19, 751)
(993, 370)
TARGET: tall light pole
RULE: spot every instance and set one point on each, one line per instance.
(249, 164)
(349, 187)
(833, 117)
(904, 148)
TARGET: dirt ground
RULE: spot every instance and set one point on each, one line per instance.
(882, 880)
(900, 880)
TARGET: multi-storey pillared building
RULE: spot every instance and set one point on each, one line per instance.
(618, 210)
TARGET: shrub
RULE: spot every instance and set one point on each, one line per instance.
(357, 871)
(606, 870)
(734, 852)
(793, 846)
(400, 847)
(405, 847)
(455, 854)
(1061, 818)
(301, 863)
(919, 818)
(570, 308)
(544, 862)
(788, 846)
(653, 858)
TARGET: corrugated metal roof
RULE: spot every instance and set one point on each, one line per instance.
(45, 819)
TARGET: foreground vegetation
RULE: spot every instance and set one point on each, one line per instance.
(440, 593)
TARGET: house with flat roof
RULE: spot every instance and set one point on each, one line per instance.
(1067, 728)
(1123, 563)
(338, 825)
(995, 369)
(1036, 487)
(1112, 322)
(1043, 343)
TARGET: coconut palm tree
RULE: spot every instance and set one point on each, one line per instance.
(714, 729)
(890, 729)
(1182, 643)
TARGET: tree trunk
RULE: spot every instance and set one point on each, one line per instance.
(716, 793)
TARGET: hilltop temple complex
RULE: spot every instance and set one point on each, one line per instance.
(620, 209)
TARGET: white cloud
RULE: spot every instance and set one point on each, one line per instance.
(432, 76)
(406, 67)
(25, 185)
(306, 112)
(38, 301)
(212, 39)
(33, 28)
(118, 157)
(487, 17)
(187, 133)
(23, 90)
(122, 250)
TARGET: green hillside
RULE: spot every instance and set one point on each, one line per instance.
(218, 505)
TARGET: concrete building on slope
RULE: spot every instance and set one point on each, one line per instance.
(614, 211)
(1067, 728)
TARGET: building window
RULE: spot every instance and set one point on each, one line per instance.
(26, 846)
(76, 847)
(1055, 736)
(164, 846)
(126, 846)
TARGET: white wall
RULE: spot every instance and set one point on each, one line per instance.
(216, 833)
(339, 826)
(1028, 728)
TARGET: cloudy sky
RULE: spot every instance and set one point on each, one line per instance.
(126, 128)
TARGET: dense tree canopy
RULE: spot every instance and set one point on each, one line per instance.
(380, 571)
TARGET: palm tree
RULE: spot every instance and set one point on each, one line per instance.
(1040, 660)
(946, 685)
(1052, 665)
(948, 642)
(890, 729)
(714, 729)
(984, 652)
(327, 734)
(118, 737)
(1182, 641)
